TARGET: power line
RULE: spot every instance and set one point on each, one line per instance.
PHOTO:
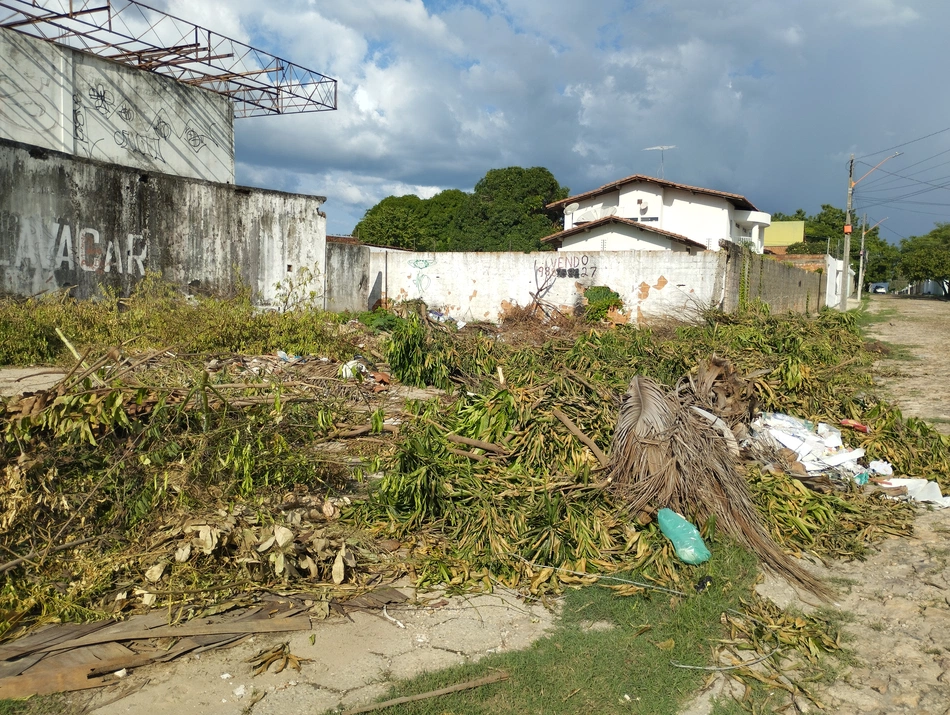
(888, 228)
(912, 141)
(901, 176)
(916, 163)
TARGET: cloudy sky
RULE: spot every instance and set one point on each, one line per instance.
(767, 98)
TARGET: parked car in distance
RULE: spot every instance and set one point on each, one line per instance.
(879, 289)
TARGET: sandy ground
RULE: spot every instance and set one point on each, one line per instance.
(352, 661)
(920, 386)
(898, 600)
(14, 380)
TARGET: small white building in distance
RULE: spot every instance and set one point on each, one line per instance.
(643, 213)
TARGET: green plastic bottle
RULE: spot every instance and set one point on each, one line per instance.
(685, 537)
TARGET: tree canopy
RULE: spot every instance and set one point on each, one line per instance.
(506, 212)
(825, 231)
(927, 257)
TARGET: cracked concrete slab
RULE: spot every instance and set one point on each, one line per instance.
(352, 662)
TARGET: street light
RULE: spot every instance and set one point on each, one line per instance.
(846, 257)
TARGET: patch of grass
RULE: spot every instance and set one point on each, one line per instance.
(39, 705)
(867, 318)
(576, 669)
(158, 315)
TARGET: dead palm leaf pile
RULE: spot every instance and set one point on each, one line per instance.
(528, 500)
(192, 478)
(667, 452)
(150, 479)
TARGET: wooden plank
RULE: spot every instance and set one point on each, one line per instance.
(137, 660)
(55, 635)
(49, 635)
(45, 683)
(273, 625)
(63, 672)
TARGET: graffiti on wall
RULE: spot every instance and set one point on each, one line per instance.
(43, 255)
(566, 265)
(421, 280)
(141, 133)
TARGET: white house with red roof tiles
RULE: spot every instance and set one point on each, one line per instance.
(640, 213)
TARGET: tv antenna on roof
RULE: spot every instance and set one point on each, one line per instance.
(661, 148)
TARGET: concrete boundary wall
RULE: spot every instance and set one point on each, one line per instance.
(73, 222)
(58, 98)
(785, 288)
(482, 286)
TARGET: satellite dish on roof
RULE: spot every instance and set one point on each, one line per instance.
(571, 208)
(610, 211)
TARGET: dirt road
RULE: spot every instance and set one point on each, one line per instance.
(898, 601)
(916, 376)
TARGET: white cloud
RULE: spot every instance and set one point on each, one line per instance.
(756, 96)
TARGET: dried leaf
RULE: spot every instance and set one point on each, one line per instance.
(339, 569)
(207, 538)
(666, 645)
(283, 536)
(311, 566)
(320, 610)
(265, 545)
(183, 554)
(154, 573)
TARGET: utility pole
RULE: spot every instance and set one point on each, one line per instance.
(864, 232)
(846, 256)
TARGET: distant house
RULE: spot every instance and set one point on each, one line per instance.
(645, 213)
(782, 234)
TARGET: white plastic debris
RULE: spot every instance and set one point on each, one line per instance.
(921, 490)
(352, 369)
(226, 676)
(880, 467)
(121, 673)
(240, 691)
(819, 448)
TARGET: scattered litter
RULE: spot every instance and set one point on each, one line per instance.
(884, 469)
(352, 370)
(240, 691)
(920, 490)
(819, 449)
(121, 673)
(686, 538)
(226, 676)
(857, 426)
(391, 619)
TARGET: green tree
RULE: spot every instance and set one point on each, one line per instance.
(825, 231)
(927, 257)
(394, 221)
(506, 212)
(806, 247)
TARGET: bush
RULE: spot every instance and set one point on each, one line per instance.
(600, 299)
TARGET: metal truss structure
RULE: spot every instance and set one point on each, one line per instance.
(134, 34)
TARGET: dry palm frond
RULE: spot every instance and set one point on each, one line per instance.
(717, 386)
(666, 454)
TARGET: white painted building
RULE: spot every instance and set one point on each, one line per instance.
(645, 213)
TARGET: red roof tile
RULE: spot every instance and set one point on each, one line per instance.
(737, 200)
